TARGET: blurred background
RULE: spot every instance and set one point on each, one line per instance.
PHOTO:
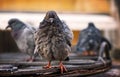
(76, 13)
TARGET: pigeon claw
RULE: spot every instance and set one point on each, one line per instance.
(48, 66)
(85, 53)
(31, 59)
(62, 68)
(88, 53)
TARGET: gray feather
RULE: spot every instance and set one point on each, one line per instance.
(90, 39)
(51, 38)
(23, 35)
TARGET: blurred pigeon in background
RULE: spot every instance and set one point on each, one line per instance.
(91, 42)
(23, 34)
(53, 39)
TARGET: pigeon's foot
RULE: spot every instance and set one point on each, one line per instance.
(48, 65)
(89, 53)
(31, 59)
(92, 53)
(85, 53)
(62, 68)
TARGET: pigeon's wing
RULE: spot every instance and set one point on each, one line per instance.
(82, 41)
(82, 37)
(29, 37)
(36, 38)
(68, 33)
(32, 32)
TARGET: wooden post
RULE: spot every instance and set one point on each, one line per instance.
(115, 11)
(7, 43)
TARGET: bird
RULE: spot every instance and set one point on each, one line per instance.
(92, 42)
(89, 39)
(23, 34)
(53, 40)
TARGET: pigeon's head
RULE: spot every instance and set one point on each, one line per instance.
(51, 16)
(50, 20)
(15, 24)
(91, 28)
(91, 25)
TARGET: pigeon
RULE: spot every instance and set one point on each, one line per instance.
(53, 40)
(89, 39)
(23, 34)
(92, 42)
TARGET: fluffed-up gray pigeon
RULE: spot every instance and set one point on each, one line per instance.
(92, 42)
(23, 34)
(53, 39)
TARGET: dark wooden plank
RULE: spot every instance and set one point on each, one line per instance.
(77, 66)
(52, 72)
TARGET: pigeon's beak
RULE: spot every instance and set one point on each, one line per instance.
(51, 20)
(8, 28)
